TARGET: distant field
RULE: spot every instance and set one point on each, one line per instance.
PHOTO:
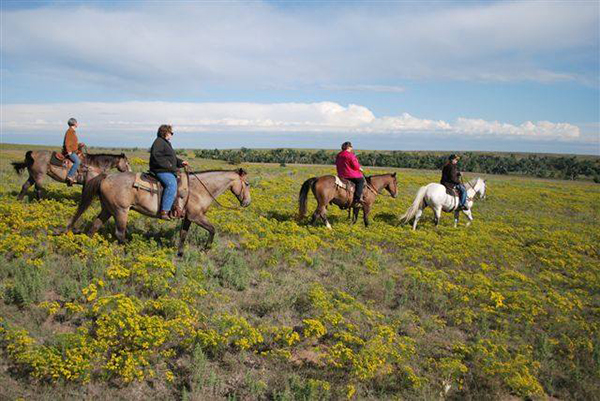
(278, 309)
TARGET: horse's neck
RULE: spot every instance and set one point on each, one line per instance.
(473, 189)
(217, 183)
(377, 183)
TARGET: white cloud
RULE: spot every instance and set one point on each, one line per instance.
(322, 117)
(259, 44)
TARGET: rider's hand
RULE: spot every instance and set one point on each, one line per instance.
(184, 163)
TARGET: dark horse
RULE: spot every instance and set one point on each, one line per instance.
(327, 192)
(38, 164)
(118, 194)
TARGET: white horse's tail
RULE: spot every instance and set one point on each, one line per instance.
(418, 203)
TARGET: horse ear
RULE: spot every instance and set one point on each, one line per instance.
(123, 154)
(242, 172)
(394, 175)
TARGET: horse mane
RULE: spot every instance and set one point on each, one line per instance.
(212, 171)
(473, 182)
(368, 177)
(103, 160)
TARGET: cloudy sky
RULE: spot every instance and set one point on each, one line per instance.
(468, 75)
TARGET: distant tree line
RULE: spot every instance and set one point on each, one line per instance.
(545, 166)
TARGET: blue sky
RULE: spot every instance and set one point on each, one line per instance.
(471, 75)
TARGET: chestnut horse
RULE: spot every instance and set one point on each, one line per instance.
(327, 192)
(38, 165)
(118, 195)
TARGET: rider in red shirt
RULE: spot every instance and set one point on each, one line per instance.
(349, 168)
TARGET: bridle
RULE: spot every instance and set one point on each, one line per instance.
(210, 193)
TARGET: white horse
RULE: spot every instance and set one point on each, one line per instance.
(435, 196)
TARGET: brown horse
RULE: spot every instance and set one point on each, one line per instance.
(327, 192)
(118, 195)
(38, 165)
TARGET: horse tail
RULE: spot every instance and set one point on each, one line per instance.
(417, 204)
(90, 190)
(20, 166)
(303, 198)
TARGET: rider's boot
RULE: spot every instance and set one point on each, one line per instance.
(164, 215)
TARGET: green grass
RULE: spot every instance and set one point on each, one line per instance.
(509, 307)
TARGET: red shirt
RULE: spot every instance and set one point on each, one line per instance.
(347, 165)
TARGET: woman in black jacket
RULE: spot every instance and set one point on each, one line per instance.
(451, 178)
(164, 164)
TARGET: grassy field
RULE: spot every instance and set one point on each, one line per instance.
(509, 307)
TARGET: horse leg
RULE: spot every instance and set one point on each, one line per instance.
(121, 225)
(469, 216)
(25, 187)
(203, 222)
(437, 214)
(355, 214)
(38, 186)
(417, 217)
(323, 215)
(182, 235)
(456, 217)
(102, 218)
(366, 211)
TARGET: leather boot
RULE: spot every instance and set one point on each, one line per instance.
(164, 215)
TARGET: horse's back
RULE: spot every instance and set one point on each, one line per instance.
(435, 193)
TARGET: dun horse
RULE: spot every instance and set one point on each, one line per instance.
(435, 196)
(38, 165)
(326, 192)
(118, 195)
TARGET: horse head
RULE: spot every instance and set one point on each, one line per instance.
(480, 188)
(123, 163)
(392, 185)
(241, 187)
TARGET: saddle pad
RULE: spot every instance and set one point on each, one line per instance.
(146, 182)
(340, 183)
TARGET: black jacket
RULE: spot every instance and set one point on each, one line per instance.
(162, 157)
(450, 175)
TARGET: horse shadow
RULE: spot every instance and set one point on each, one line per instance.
(280, 216)
(51, 194)
(389, 218)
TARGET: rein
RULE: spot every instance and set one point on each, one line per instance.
(211, 195)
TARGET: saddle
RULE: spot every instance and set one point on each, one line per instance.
(452, 191)
(350, 187)
(343, 183)
(60, 160)
(147, 181)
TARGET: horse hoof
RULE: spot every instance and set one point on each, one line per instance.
(328, 226)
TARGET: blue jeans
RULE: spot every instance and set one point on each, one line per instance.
(169, 181)
(463, 194)
(76, 162)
